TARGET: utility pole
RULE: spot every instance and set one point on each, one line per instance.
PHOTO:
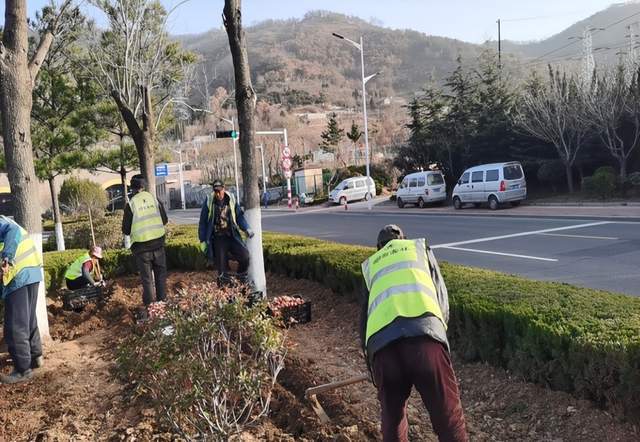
(499, 47)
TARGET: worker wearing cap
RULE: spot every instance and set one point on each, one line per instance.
(221, 221)
(84, 271)
(404, 336)
(21, 269)
(144, 220)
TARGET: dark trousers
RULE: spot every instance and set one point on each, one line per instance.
(225, 246)
(152, 266)
(425, 364)
(21, 326)
(78, 283)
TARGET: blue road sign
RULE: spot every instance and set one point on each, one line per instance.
(162, 169)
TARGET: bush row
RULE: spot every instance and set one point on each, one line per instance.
(579, 340)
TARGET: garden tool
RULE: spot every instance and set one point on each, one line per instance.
(310, 393)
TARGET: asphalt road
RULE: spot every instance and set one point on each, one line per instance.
(598, 253)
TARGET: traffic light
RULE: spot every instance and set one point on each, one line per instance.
(227, 134)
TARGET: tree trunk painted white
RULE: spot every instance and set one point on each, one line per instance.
(254, 245)
(41, 307)
(59, 236)
(57, 218)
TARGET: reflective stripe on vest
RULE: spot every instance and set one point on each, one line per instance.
(26, 256)
(400, 284)
(147, 223)
(75, 270)
(232, 206)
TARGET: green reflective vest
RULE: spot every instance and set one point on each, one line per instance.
(26, 256)
(232, 206)
(147, 223)
(400, 285)
(75, 269)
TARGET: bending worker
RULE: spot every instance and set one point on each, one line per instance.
(84, 271)
(221, 220)
(404, 323)
(144, 220)
(21, 269)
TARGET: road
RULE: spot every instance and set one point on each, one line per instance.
(596, 252)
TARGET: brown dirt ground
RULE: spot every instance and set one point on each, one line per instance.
(76, 396)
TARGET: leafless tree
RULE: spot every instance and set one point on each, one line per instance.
(137, 64)
(245, 98)
(554, 112)
(18, 74)
(614, 108)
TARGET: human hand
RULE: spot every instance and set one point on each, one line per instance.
(250, 233)
(5, 265)
(203, 247)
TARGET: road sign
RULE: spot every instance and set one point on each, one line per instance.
(286, 163)
(287, 174)
(286, 152)
(162, 170)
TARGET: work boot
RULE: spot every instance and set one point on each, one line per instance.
(37, 362)
(16, 377)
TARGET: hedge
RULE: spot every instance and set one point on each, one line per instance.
(578, 340)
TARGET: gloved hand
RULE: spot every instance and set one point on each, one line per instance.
(250, 233)
(203, 247)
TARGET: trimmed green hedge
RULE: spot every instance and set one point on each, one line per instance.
(578, 340)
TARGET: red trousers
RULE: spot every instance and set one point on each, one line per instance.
(424, 363)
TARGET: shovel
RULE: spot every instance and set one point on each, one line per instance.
(310, 394)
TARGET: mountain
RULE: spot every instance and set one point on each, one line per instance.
(299, 59)
(612, 26)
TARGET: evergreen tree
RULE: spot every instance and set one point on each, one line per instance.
(332, 136)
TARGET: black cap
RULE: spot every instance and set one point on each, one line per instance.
(217, 183)
(388, 233)
(138, 182)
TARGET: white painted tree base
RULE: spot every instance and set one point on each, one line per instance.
(59, 237)
(254, 245)
(41, 308)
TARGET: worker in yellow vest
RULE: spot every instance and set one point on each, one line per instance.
(21, 269)
(84, 271)
(221, 221)
(144, 220)
(404, 336)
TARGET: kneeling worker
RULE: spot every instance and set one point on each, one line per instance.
(221, 220)
(144, 220)
(21, 270)
(85, 270)
(404, 323)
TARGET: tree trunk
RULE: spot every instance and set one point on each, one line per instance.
(16, 86)
(569, 173)
(245, 103)
(623, 168)
(57, 219)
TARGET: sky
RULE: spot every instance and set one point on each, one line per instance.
(468, 20)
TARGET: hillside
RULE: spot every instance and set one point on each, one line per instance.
(616, 20)
(303, 58)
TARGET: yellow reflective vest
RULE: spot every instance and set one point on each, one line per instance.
(400, 286)
(75, 269)
(232, 206)
(146, 224)
(26, 256)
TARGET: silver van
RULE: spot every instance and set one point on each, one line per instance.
(421, 188)
(494, 184)
(353, 189)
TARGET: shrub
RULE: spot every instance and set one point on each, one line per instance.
(79, 194)
(552, 173)
(208, 365)
(77, 235)
(602, 184)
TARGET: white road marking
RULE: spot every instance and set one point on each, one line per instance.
(578, 236)
(515, 235)
(512, 255)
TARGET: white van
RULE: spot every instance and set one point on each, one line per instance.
(353, 189)
(491, 183)
(420, 188)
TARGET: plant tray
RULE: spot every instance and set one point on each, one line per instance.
(76, 300)
(299, 314)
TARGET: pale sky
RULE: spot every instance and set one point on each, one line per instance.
(468, 20)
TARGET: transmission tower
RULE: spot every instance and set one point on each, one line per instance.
(631, 55)
(588, 62)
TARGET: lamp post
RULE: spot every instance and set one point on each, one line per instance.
(182, 198)
(360, 47)
(235, 156)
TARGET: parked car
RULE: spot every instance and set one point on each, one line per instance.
(421, 188)
(353, 189)
(491, 183)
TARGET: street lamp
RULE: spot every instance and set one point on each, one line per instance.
(264, 174)
(182, 198)
(360, 47)
(235, 155)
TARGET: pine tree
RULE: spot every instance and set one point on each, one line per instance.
(332, 136)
